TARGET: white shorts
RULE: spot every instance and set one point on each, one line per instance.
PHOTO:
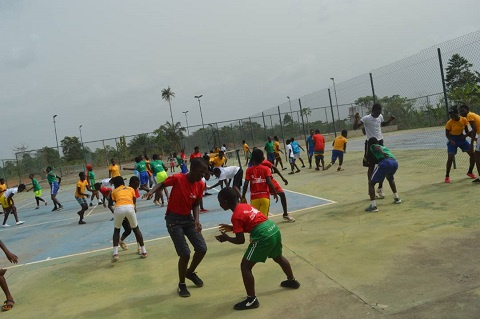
(477, 145)
(119, 214)
(296, 156)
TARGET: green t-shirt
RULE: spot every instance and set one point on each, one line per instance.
(91, 177)
(179, 160)
(141, 166)
(157, 166)
(51, 177)
(36, 185)
(378, 155)
(269, 147)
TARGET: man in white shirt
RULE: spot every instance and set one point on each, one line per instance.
(9, 206)
(372, 125)
(226, 174)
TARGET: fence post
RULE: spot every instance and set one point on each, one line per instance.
(303, 122)
(264, 126)
(331, 108)
(241, 130)
(373, 88)
(283, 136)
(271, 124)
(443, 80)
(251, 131)
(326, 115)
(18, 169)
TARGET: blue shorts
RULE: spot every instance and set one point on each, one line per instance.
(271, 157)
(292, 160)
(183, 168)
(336, 154)
(81, 201)
(385, 169)
(54, 187)
(143, 177)
(460, 142)
(310, 152)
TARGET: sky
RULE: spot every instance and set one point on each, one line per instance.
(102, 64)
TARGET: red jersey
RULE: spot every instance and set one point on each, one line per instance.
(105, 191)
(256, 175)
(277, 186)
(245, 218)
(318, 142)
(183, 194)
(195, 155)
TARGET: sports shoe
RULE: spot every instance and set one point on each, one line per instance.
(37, 207)
(371, 209)
(81, 222)
(20, 222)
(5, 225)
(340, 169)
(477, 180)
(46, 203)
(183, 291)
(303, 166)
(144, 255)
(247, 304)
(139, 251)
(123, 245)
(328, 166)
(447, 179)
(291, 173)
(292, 283)
(55, 209)
(289, 218)
(471, 175)
(286, 168)
(203, 210)
(91, 204)
(194, 278)
(156, 202)
(115, 258)
(297, 171)
(397, 201)
(60, 207)
(380, 194)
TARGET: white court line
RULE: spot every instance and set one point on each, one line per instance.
(38, 224)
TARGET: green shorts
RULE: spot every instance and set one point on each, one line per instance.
(265, 242)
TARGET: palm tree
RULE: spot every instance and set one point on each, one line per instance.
(168, 95)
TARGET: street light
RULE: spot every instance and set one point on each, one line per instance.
(81, 141)
(201, 116)
(336, 100)
(186, 120)
(291, 112)
(56, 138)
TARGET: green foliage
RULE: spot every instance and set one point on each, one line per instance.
(72, 148)
(462, 82)
(168, 95)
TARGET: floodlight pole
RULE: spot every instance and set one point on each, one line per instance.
(201, 116)
(83, 147)
(58, 149)
(336, 100)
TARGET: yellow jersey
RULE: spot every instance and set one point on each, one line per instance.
(339, 143)
(123, 195)
(474, 117)
(114, 170)
(83, 186)
(276, 147)
(3, 188)
(245, 148)
(456, 127)
(218, 162)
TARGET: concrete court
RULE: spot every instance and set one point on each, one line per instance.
(415, 260)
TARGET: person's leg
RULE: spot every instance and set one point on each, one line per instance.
(127, 230)
(323, 162)
(3, 283)
(14, 212)
(472, 164)
(247, 276)
(301, 161)
(5, 216)
(340, 162)
(285, 264)
(200, 247)
(317, 162)
(37, 200)
(283, 200)
(450, 158)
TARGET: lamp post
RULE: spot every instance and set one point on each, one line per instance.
(83, 147)
(186, 120)
(291, 112)
(56, 138)
(336, 100)
(201, 116)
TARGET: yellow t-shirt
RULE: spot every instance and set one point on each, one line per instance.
(3, 188)
(114, 170)
(245, 148)
(456, 127)
(475, 118)
(83, 187)
(339, 143)
(218, 162)
(276, 147)
(123, 195)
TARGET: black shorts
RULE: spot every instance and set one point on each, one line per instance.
(371, 159)
(238, 179)
(178, 227)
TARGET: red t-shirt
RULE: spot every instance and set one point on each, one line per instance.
(183, 194)
(245, 218)
(105, 191)
(256, 175)
(195, 155)
(318, 142)
(277, 186)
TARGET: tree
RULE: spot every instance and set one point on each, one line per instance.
(168, 95)
(72, 148)
(287, 119)
(306, 111)
(462, 82)
(169, 135)
(140, 144)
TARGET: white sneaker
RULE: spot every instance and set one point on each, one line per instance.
(397, 201)
(20, 222)
(380, 193)
(5, 225)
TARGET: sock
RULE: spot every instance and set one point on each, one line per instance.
(373, 203)
(115, 250)
(396, 195)
(144, 251)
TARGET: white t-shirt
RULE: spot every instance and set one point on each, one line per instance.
(289, 150)
(373, 126)
(223, 148)
(106, 182)
(11, 191)
(228, 172)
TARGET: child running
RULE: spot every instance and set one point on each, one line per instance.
(160, 175)
(80, 188)
(259, 177)
(310, 148)
(187, 190)
(9, 205)
(104, 187)
(296, 151)
(318, 149)
(91, 183)
(246, 150)
(339, 147)
(127, 230)
(124, 198)
(141, 168)
(224, 174)
(291, 158)
(9, 303)
(277, 151)
(265, 242)
(54, 187)
(37, 189)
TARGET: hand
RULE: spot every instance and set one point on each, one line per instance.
(221, 238)
(276, 197)
(12, 257)
(285, 182)
(198, 226)
(357, 116)
(223, 228)
(147, 196)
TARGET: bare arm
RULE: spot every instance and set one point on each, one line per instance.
(10, 256)
(272, 188)
(196, 214)
(357, 123)
(244, 190)
(237, 240)
(389, 120)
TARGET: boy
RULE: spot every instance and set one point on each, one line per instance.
(141, 168)
(37, 189)
(219, 160)
(159, 174)
(296, 150)
(474, 121)
(9, 205)
(318, 149)
(386, 168)
(127, 230)
(124, 198)
(454, 133)
(259, 177)
(105, 189)
(196, 153)
(171, 161)
(291, 157)
(113, 169)
(277, 151)
(246, 150)
(9, 303)
(80, 188)
(269, 149)
(265, 242)
(181, 163)
(3, 188)
(339, 147)
(310, 148)
(223, 174)
(187, 190)
(91, 183)
(54, 187)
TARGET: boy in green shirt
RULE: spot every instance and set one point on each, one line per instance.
(37, 189)
(54, 187)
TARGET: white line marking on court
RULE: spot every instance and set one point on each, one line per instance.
(38, 224)
(310, 196)
(91, 210)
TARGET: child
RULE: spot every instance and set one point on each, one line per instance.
(310, 148)
(196, 153)
(187, 190)
(105, 189)
(269, 149)
(80, 188)
(37, 189)
(141, 168)
(277, 151)
(260, 178)
(91, 183)
(318, 149)
(474, 121)
(219, 160)
(9, 205)
(9, 303)
(265, 242)
(113, 169)
(339, 147)
(223, 174)
(172, 161)
(296, 150)
(3, 188)
(386, 168)
(291, 157)
(124, 198)
(246, 150)
(454, 133)
(127, 230)
(181, 163)
(54, 187)
(159, 174)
